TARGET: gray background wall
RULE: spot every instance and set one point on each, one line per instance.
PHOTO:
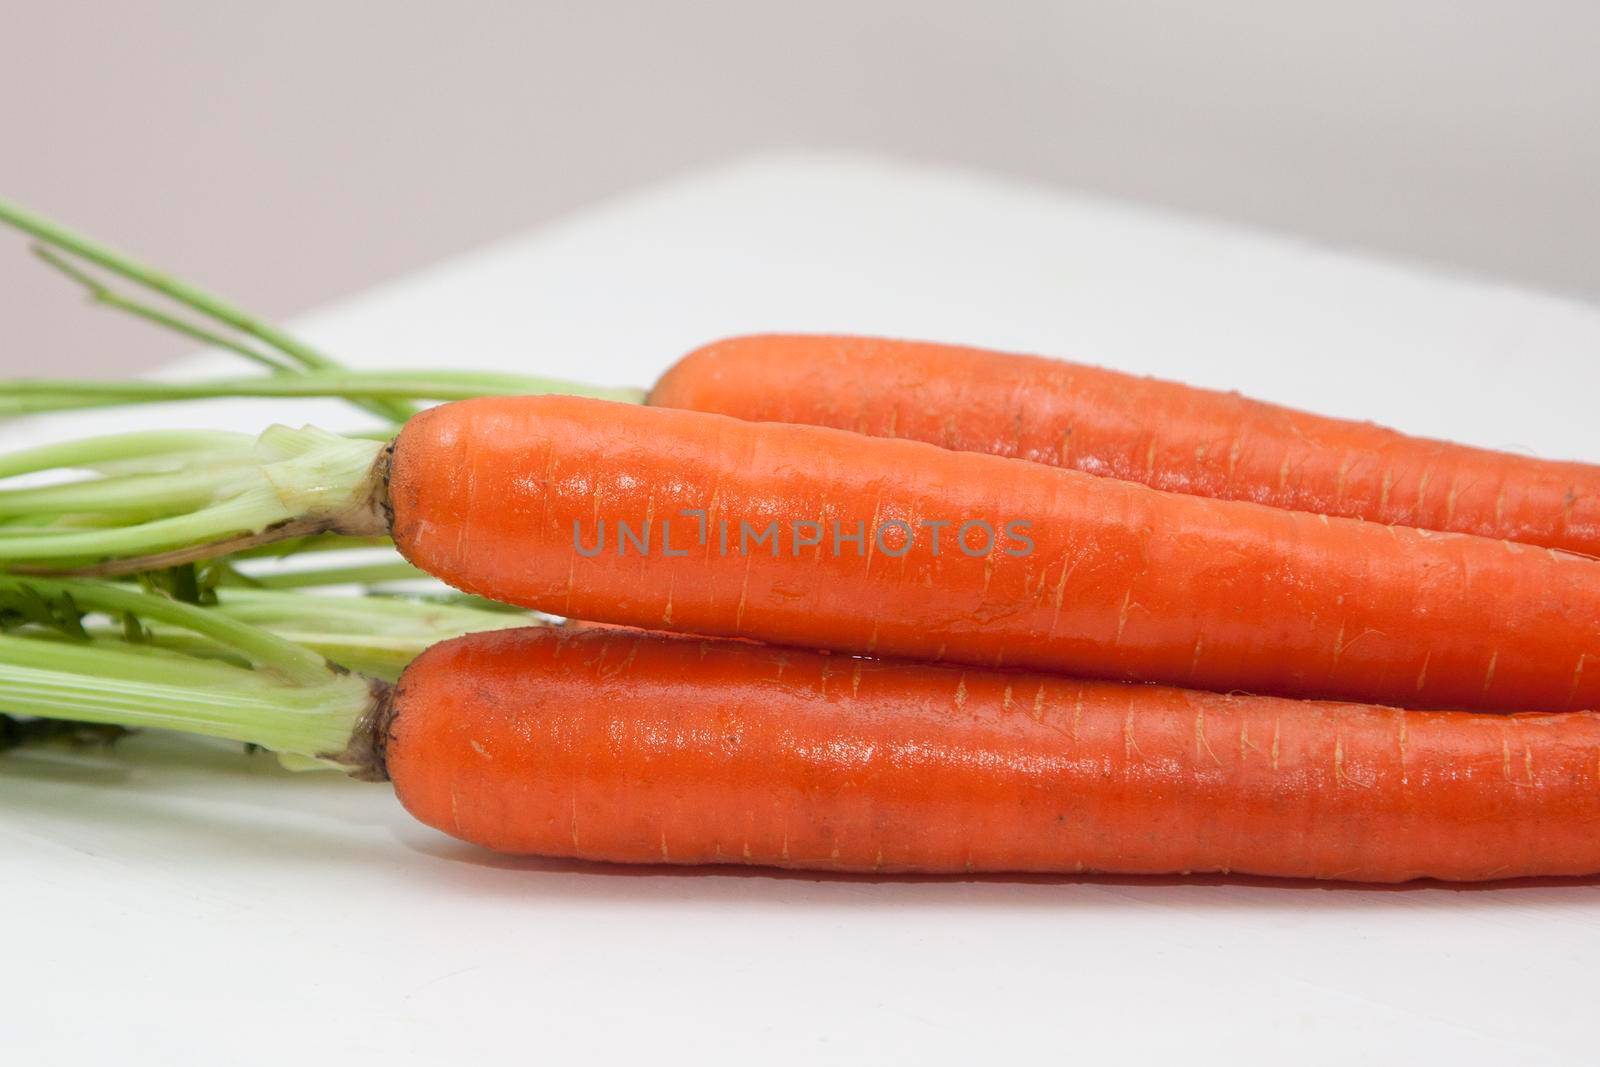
(288, 152)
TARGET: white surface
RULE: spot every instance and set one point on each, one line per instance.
(160, 904)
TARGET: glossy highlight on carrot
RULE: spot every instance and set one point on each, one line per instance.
(1167, 435)
(631, 748)
(1124, 582)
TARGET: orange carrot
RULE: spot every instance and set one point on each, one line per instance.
(605, 745)
(1170, 436)
(507, 497)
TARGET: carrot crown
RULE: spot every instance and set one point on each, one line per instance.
(262, 666)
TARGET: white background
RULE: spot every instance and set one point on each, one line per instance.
(169, 901)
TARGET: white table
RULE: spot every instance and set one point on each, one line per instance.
(168, 898)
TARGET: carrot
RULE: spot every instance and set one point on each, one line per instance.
(640, 748)
(820, 538)
(1170, 436)
(645, 749)
(502, 497)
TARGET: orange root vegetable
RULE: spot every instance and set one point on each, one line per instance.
(1170, 436)
(604, 745)
(510, 498)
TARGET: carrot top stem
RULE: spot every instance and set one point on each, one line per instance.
(234, 679)
(379, 580)
(298, 370)
(20, 396)
(100, 293)
(290, 482)
(327, 542)
(143, 447)
(135, 686)
(368, 574)
(218, 310)
(375, 635)
(33, 599)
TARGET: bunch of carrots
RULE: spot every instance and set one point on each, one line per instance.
(834, 603)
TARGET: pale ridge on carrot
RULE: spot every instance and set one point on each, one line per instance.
(1165, 434)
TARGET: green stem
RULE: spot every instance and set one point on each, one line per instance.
(368, 614)
(97, 682)
(354, 574)
(292, 483)
(217, 670)
(103, 295)
(93, 452)
(375, 635)
(315, 543)
(370, 574)
(20, 396)
(282, 657)
(133, 494)
(206, 304)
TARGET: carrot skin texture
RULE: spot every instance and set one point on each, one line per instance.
(1124, 582)
(1173, 437)
(647, 749)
